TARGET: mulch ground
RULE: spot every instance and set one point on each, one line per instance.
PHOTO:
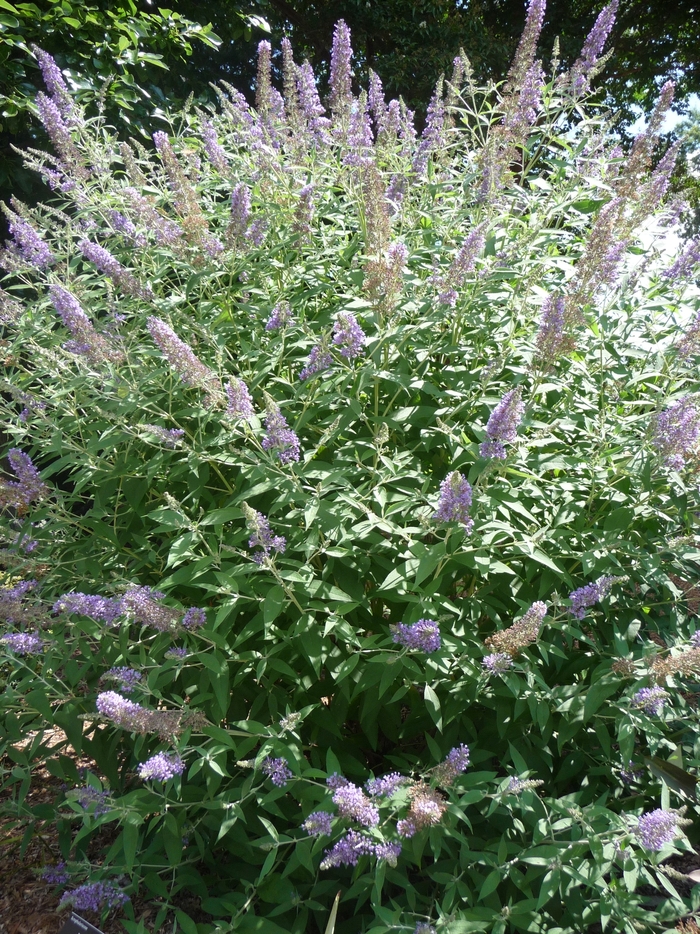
(28, 904)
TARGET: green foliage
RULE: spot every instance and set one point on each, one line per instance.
(128, 57)
(301, 656)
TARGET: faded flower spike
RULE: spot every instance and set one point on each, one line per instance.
(516, 637)
(455, 501)
(423, 636)
(516, 785)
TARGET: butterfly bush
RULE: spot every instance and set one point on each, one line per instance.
(360, 463)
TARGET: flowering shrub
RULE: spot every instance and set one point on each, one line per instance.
(366, 464)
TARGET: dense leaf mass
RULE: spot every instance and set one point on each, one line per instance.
(364, 654)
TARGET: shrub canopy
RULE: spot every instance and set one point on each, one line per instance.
(350, 509)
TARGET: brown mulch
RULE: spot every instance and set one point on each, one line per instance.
(28, 904)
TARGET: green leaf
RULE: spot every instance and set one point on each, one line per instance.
(432, 702)
(490, 884)
(677, 779)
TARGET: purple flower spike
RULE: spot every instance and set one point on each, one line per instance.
(56, 875)
(348, 336)
(503, 425)
(279, 438)
(27, 243)
(423, 636)
(102, 609)
(318, 824)
(280, 317)
(677, 432)
(340, 81)
(23, 643)
(161, 767)
(455, 501)
(240, 404)
(262, 536)
(94, 897)
(127, 678)
(277, 771)
(589, 595)
(650, 700)
(352, 802)
(319, 360)
(657, 828)
(385, 786)
(29, 485)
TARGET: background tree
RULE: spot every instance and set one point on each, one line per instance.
(136, 59)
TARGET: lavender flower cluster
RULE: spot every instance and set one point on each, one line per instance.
(94, 896)
(280, 317)
(28, 488)
(23, 643)
(277, 771)
(423, 636)
(590, 594)
(650, 700)
(657, 828)
(89, 797)
(161, 767)
(385, 786)
(105, 610)
(56, 875)
(353, 803)
(127, 678)
(455, 501)
(348, 850)
(503, 425)
(676, 432)
(348, 336)
(262, 537)
(279, 438)
(318, 824)
(497, 662)
(318, 361)
(240, 403)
